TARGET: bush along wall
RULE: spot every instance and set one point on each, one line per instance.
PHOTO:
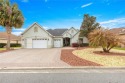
(84, 44)
(81, 45)
(2, 45)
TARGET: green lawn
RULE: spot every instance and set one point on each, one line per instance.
(119, 48)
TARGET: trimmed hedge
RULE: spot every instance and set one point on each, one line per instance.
(15, 45)
(81, 45)
(84, 44)
(2, 45)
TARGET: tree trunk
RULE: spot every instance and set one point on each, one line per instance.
(105, 50)
(8, 30)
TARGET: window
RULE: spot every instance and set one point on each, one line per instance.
(35, 29)
(66, 34)
(72, 31)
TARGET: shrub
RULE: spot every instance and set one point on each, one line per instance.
(2, 45)
(105, 39)
(75, 44)
(84, 44)
(15, 45)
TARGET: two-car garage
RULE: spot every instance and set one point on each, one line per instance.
(37, 37)
(40, 43)
(36, 43)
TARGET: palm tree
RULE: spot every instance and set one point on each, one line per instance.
(105, 39)
(10, 16)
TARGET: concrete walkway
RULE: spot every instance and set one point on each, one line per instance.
(32, 58)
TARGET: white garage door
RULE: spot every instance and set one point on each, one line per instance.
(39, 43)
(57, 43)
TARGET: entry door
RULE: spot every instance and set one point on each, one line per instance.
(40, 43)
(57, 42)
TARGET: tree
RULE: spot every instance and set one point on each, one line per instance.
(89, 24)
(10, 16)
(104, 38)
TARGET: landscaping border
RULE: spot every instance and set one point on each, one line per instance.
(68, 57)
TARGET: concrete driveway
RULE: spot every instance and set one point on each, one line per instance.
(32, 58)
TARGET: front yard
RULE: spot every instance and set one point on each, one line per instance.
(4, 49)
(94, 57)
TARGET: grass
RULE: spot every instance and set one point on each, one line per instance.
(119, 48)
(105, 60)
(1, 49)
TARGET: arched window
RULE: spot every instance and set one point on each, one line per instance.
(35, 29)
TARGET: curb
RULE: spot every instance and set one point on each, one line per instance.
(59, 68)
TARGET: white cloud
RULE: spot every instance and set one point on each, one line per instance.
(85, 5)
(25, 1)
(114, 23)
(16, 33)
(45, 27)
(22, 29)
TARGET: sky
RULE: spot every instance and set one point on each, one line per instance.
(52, 14)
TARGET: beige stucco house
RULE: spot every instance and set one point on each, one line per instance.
(13, 38)
(37, 37)
(120, 32)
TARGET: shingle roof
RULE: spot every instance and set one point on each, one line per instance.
(3, 35)
(56, 32)
(118, 30)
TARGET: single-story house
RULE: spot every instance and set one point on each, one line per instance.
(13, 38)
(120, 32)
(37, 37)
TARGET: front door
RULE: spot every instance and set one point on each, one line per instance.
(66, 41)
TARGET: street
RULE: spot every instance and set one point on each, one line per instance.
(63, 76)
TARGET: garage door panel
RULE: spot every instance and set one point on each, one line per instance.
(39, 43)
(57, 43)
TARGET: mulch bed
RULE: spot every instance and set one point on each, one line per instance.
(68, 57)
(109, 54)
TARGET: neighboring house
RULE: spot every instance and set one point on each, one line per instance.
(13, 38)
(120, 32)
(37, 37)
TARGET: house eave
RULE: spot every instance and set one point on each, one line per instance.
(58, 36)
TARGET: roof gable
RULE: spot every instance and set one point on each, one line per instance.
(32, 27)
(69, 30)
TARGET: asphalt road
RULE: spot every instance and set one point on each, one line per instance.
(63, 76)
